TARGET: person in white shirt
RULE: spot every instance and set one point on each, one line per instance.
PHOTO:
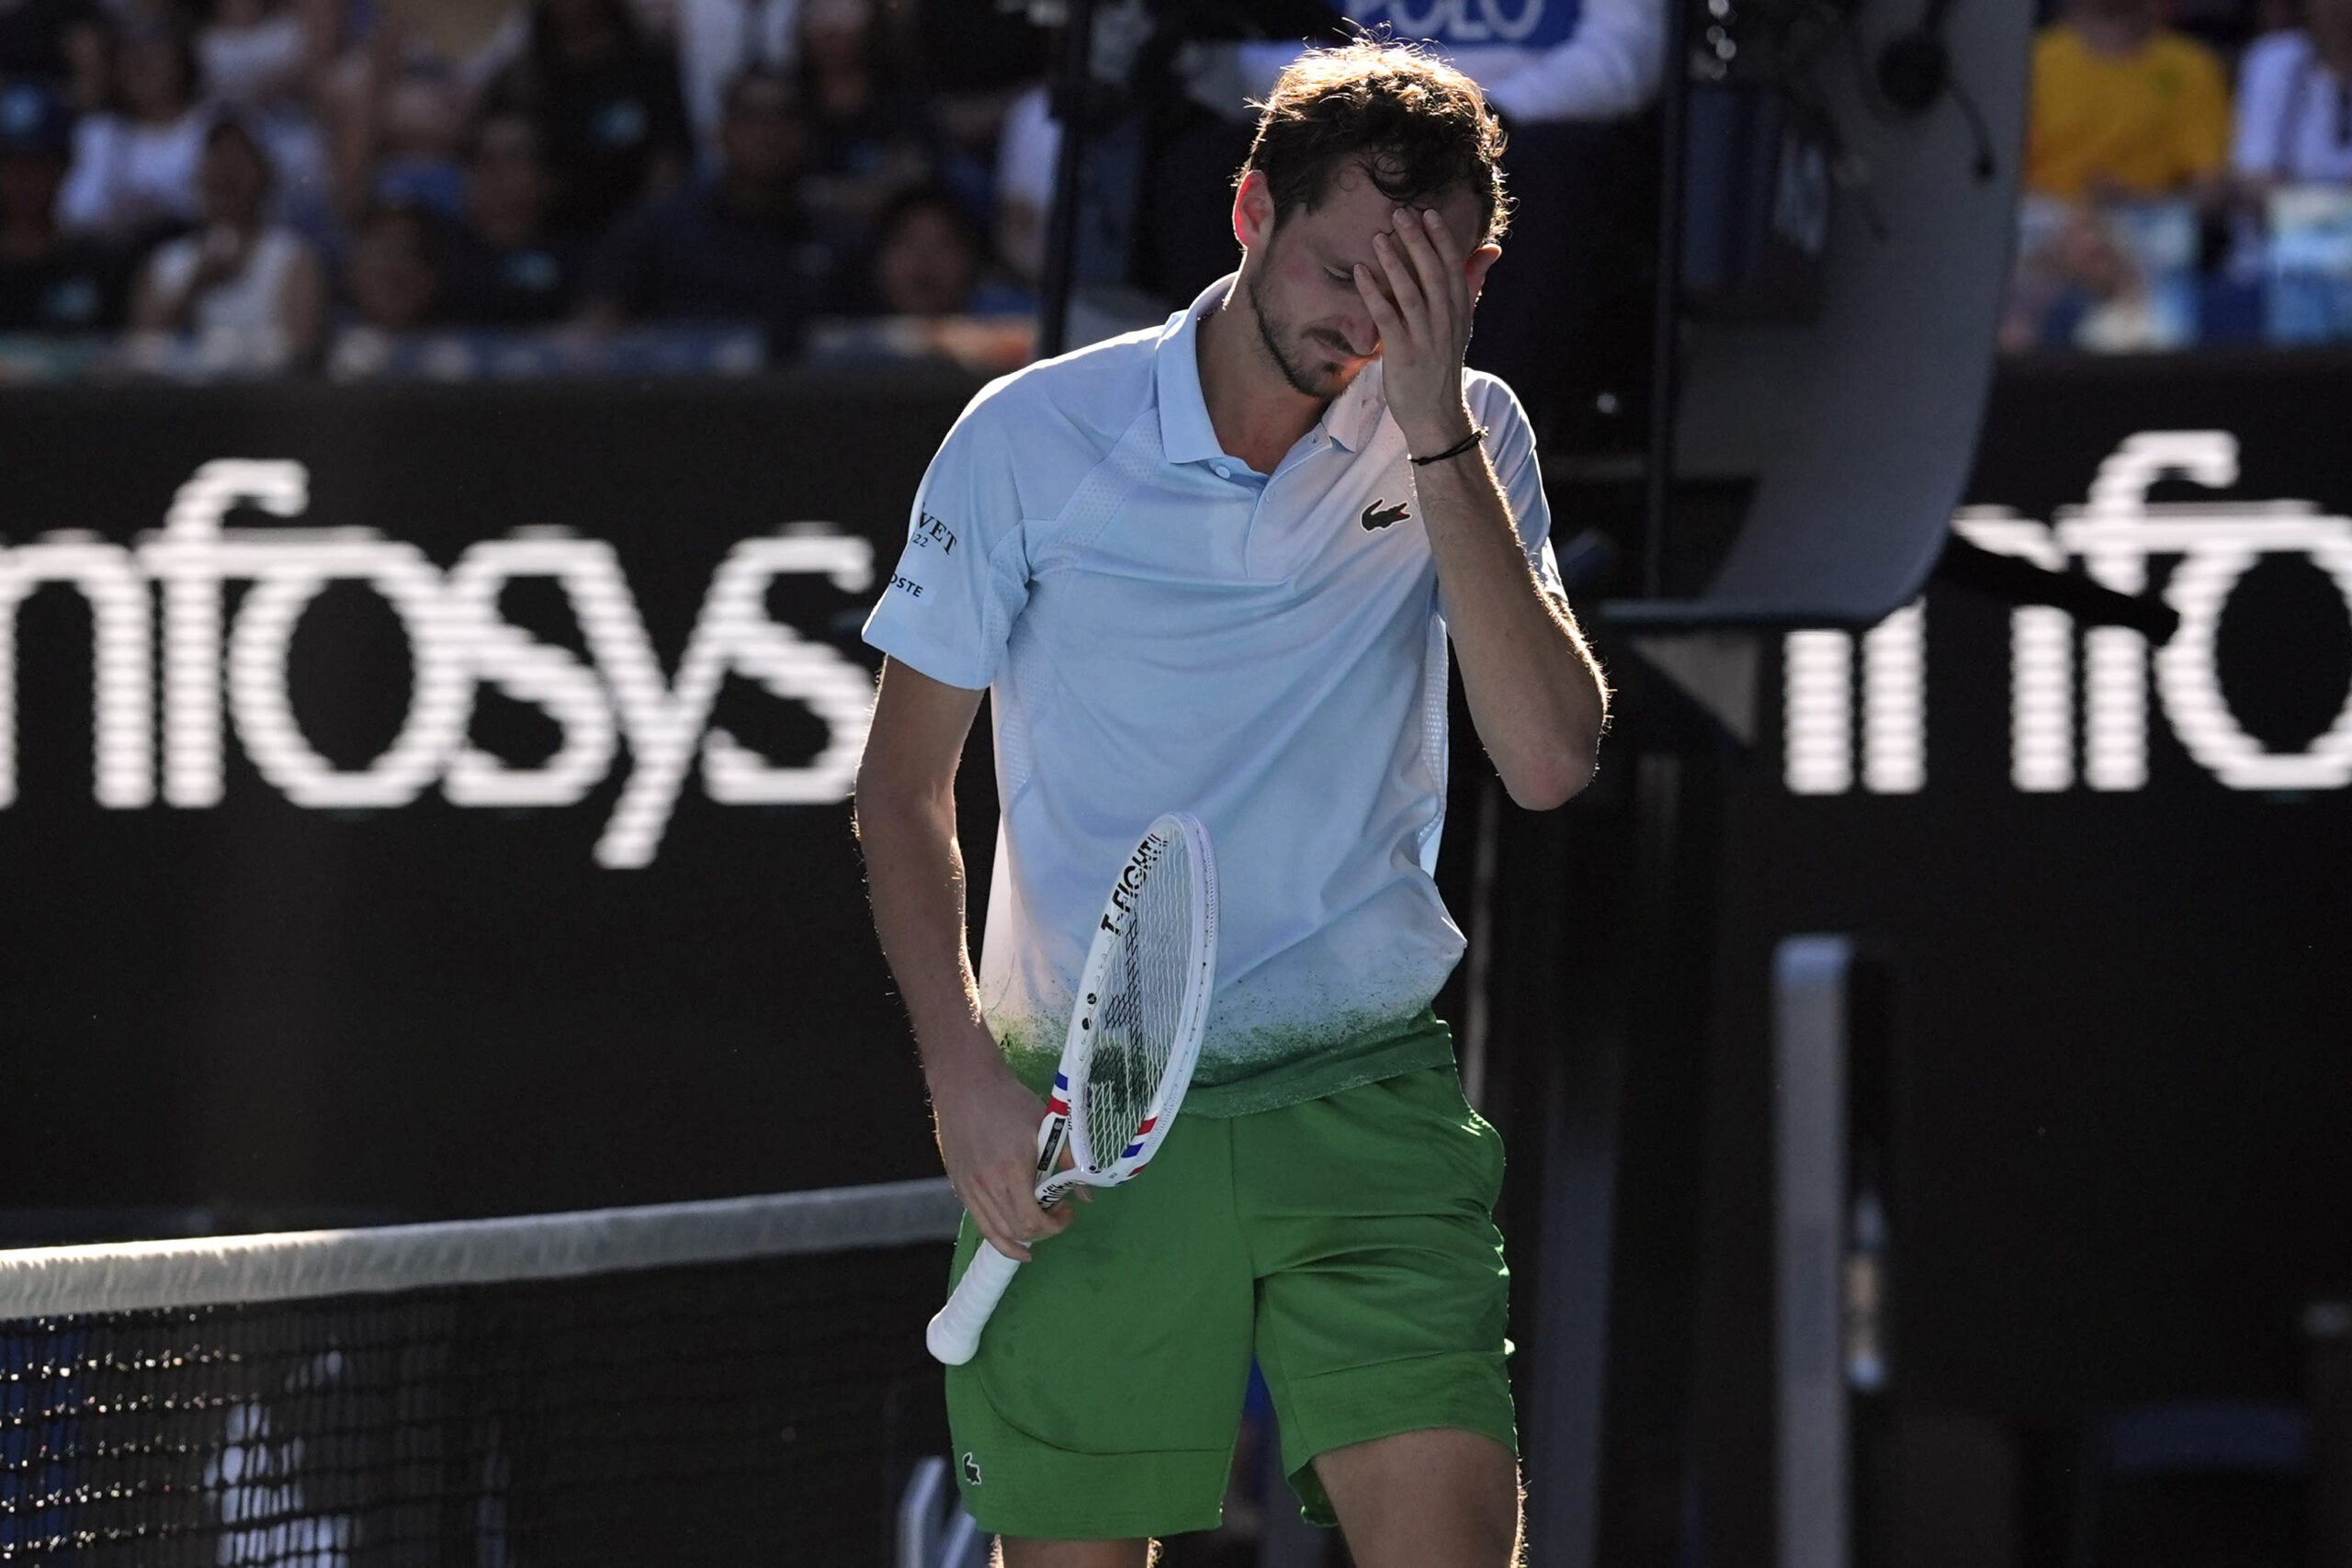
(134, 165)
(1218, 567)
(250, 293)
(2294, 103)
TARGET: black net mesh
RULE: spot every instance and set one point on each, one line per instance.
(1137, 1017)
(747, 1411)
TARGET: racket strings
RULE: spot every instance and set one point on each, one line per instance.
(1138, 1020)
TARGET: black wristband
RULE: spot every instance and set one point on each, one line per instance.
(1477, 434)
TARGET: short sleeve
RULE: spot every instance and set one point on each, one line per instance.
(1511, 446)
(963, 579)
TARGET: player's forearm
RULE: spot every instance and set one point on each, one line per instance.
(914, 870)
(1535, 693)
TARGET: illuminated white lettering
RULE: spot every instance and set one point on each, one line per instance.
(536, 673)
(2116, 535)
(121, 688)
(457, 641)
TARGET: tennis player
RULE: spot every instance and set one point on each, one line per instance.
(1215, 567)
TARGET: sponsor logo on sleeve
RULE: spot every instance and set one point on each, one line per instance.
(929, 533)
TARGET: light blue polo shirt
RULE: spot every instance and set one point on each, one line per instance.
(1161, 628)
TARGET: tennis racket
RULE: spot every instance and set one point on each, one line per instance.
(1143, 1000)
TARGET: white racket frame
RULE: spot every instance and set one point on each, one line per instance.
(954, 1336)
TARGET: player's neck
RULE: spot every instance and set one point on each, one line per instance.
(1257, 414)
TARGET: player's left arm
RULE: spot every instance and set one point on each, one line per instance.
(1536, 693)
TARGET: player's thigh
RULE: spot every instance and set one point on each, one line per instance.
(1383, 1296)
(1435, 1498)
(1105, 1398)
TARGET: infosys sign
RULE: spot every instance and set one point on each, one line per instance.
(163, 602)
(2082, 699)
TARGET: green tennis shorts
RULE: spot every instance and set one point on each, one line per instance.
(1348, 1242)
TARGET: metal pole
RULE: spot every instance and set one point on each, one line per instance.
(1072, 92)
(1674, 101)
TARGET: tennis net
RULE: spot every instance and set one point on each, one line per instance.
(734, 1381)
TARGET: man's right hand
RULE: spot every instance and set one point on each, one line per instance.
(987, 1124)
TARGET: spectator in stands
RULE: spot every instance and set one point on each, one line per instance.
(48, 282)
(2082, 287)
(2125, 107)
(392, 274)
(61, 44)
(255, 288)
(504, 268)
(262, 58)
(721, 39)
(135, 163)
(869, 132)
(607, 101)
(397, 106)
(260, 54)
(930, 260)
(2295, 103)
(739, 246)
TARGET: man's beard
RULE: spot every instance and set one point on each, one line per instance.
(1301, 380)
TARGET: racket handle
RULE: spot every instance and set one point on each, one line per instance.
(954, 1332)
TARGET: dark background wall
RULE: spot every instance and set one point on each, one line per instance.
(2122, 1021)
(429, 1011)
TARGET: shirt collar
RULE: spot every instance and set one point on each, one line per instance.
(1185, 433)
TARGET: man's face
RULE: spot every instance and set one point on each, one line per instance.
(760, 137)
(1298, 280)
(507, 186)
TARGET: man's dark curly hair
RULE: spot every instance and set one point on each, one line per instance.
(1418, 126)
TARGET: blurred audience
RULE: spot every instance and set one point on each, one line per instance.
(2082, 283)
(739, 245)
(260, 54)
(2294, 122)
(869, 130)
(721, 39)
(50, 282)
(606, 99)
(392, 273)
(2123, 107)
(504, 268)
(250, 291)
(61, 44)
(398, 104)
(929, 259)
(135, 161)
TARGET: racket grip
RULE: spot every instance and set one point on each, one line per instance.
(954, 1332)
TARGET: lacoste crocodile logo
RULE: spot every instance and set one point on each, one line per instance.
(1379, 515)
(971, 1469)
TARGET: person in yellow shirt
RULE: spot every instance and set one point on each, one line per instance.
(2124, 106)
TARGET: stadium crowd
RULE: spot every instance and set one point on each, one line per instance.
(464, 188)
(226, 187)
(2189, 176)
